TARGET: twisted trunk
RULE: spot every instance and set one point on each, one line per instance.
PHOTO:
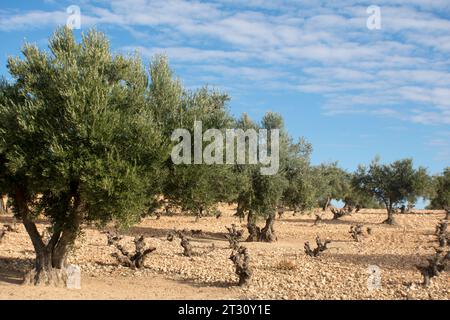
(51, 258)
(253, 230)
(326, 204)
(268, 232)
(390, 219)
(4, 203)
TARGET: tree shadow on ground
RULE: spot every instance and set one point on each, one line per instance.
(327, 222)
(392, 261)
(151, 232)
(13, 269)
(215, 284)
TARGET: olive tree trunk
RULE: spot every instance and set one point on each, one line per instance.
(51, 257)
(390, 219)
(253, 230)
(4, 203)
(268, 232)
(326, 204)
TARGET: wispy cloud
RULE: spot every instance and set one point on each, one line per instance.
(320, 47)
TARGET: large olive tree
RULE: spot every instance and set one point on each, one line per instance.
(78, 143)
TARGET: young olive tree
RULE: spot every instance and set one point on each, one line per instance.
(391, 184)
(78, 143)
(439, 193)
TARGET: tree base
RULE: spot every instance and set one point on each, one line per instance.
(52, 278)
(260, 235)
(267, 236)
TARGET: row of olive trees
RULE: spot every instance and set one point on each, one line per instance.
(86, 137)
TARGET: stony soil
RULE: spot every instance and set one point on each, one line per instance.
(281, 270)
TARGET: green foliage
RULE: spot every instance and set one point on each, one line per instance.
(261, 194)
(195, 188)
(330, 183)
(439, 193)
(299, 193)
(76, 124)
(391, 184)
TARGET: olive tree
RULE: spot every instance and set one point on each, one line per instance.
(299, 193)
(78, 143)
(391, 184)
(331, 183)
(439, 192)
(259, 194)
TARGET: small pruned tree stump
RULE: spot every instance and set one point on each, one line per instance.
(356, 232)
(196, 232)
(112, 238)
(436, 264)
(186, 246)
(234, 236)
(318, 250)
(442, 233)
(171, 236)
(185, 242)
(318, 220)
(127, 259)
(241, 261)
(10, 228)
(339, 213)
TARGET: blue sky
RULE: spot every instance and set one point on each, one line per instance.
(352, 92)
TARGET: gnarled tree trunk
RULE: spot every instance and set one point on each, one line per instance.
(51, 257)
(268, 232)
(390, 219)
(326, 204)
(253, 230)
(4, 203)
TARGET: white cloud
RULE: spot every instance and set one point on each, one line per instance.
(322, 47)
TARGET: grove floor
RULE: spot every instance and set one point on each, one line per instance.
(281, 270)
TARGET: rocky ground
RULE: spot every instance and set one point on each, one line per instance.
(281, 270)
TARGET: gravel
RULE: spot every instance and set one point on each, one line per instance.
(341, 272)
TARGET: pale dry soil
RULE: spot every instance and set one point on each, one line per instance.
(281, 270)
